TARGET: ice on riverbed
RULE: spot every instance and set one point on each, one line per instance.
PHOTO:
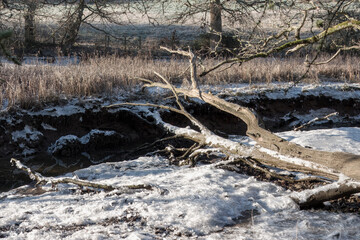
(203, 202)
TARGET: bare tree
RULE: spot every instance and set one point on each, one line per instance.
(65, 24)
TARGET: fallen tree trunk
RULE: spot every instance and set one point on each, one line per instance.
(250, 156)
(272, 150)
(346, 163)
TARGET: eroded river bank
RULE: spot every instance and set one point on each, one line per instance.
(68, 135)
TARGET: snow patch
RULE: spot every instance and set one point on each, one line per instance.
(62, 142)
(345, 139)
(28, 134)
(27, 139)
(72, 140)
(248, 92)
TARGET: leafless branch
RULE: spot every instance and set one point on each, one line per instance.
(316, 120)
(40, 180)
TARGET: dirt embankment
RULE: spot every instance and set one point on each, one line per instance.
(64, 138)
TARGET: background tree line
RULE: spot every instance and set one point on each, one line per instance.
(236, 27)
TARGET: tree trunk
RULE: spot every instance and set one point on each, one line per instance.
(73, 26)
(274, 151)
(29, 19)
(215, 23)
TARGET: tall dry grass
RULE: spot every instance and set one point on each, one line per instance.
(40, 83)
(291, 69)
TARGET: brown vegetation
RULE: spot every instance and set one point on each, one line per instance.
(29, 84)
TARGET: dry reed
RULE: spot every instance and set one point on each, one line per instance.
(29, 84)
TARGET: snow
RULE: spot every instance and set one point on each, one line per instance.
(343, 139)
(27, 139)
(46, 126)
(74, 140)
(203, 202)
(28, 134)
(338, 91)
(62, 142)
(65, 110)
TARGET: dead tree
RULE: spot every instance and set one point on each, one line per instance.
(272, 150)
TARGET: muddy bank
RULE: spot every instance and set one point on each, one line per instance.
(69, 136)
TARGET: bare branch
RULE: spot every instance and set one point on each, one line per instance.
(336, 54)
(192, 61)
(297, 30)
(81, 183)
(294, 45)
(316, 120)
(316, 196)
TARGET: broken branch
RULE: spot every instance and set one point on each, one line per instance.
(316, 120)
(40, 179)
(315, 197)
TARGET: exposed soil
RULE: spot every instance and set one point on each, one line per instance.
(273, 111)
(130, 131)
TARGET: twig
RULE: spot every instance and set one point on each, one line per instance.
(316, 120)
(253, 163)
(33, 175)
(336, 54)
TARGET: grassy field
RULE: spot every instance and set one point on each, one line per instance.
(30, 84)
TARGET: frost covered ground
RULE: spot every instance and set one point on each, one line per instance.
(203, 202)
